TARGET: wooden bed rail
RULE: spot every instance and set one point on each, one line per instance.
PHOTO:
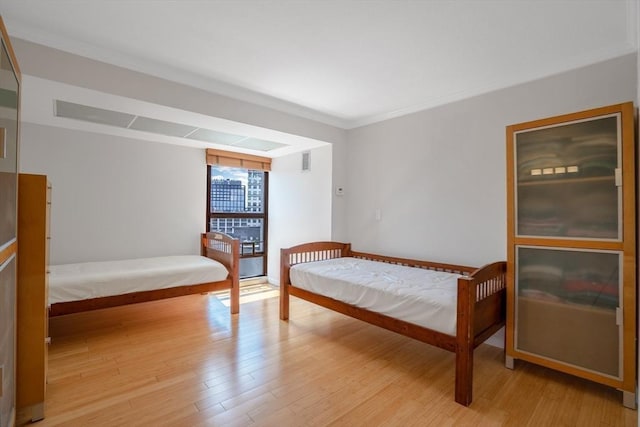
(428, 265)
(319, 251)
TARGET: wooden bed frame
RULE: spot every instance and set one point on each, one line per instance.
(218, 246)
(480, 310)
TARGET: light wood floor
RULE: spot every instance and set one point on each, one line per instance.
(186, 361)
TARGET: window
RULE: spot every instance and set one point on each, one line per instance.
(237, 205)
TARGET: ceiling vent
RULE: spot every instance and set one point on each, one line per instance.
(70, 110)
(306, 161)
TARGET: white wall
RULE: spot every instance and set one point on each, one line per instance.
(299, 204)
(438, 177)
(117, 198)
(339, 230)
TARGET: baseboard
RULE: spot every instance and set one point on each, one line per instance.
(497, 340)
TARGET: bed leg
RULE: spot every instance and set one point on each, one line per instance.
(284, 301)
(235, 297)
(284, 284)
(464, 340)
(464, 375)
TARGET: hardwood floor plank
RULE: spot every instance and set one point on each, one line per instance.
(187, 362)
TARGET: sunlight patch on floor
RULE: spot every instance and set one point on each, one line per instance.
(249, 293)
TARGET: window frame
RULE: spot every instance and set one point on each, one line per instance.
(264, 215)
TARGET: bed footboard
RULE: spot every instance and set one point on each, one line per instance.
(226, 250)
(481, 313)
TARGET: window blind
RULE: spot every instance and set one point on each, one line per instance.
(237, 160)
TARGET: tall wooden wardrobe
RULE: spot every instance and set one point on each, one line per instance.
(571, 221)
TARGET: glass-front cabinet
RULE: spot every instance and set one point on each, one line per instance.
(567, 180)
(571, 245)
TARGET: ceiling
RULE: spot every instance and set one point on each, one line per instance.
(344, 63)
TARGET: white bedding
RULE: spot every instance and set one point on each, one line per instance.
(73, 282)
(423, 297)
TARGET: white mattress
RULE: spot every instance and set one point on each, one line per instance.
(74, 282)
(423, 297)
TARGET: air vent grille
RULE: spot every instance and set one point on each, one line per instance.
(70, 110)
(93, 114)
(306, 161)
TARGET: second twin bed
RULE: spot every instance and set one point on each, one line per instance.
(450, 306)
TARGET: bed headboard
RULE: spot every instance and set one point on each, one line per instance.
(315, 251)
(222, 248)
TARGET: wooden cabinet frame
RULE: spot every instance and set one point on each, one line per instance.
(625, 245)
(33, 305)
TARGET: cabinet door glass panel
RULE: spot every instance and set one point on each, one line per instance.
(566, 184)
(566, 306)
(8, 147)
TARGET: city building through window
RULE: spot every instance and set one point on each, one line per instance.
(237, 206)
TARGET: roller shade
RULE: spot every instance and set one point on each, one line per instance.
(237, 160)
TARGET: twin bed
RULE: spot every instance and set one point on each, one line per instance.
(450, 306)
(88, 286)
